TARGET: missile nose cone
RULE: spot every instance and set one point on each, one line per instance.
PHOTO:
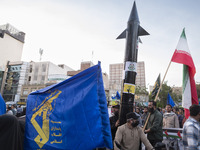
(134, 13)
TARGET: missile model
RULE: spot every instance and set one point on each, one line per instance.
(132, 33)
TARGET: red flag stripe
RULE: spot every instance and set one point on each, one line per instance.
(183, 57)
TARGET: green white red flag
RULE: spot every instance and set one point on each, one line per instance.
(182, 55)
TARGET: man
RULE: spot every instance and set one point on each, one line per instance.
(170, 119)
(128, 135)
(11, 132)
(144, 115)
(191, 129)
(14, 110)
(154, 125)
(114, 120)
(180, 117)
(9, 110)
(175, 110)
(163, 111)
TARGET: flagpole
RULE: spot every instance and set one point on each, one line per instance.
(162, 82)
(157, 95)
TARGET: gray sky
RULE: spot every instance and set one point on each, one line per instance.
(69, 30)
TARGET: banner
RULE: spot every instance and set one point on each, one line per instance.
(71, 115)
(2, 106)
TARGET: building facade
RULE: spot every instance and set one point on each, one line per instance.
(15, 77)
(84, 65)
(11, 45)
(116, 73)
(43, 74)
(21, 78)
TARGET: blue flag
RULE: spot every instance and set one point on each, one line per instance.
(2, 106)
(71, 115)
(170, 100)
(117, 95)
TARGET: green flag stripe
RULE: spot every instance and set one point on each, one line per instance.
(185, 76)
(183, 34)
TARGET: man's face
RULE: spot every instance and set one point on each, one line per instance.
(130, 121)
(150, 105)
(180, 111)
(116, 110)
(168, 108)
(145, 110)
(163, 110)
(174, 110)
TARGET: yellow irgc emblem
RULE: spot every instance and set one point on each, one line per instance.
(44, 110)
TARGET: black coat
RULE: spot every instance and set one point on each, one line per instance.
(11, 133)
(113, 121)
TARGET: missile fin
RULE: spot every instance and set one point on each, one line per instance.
(122, 35)
(140, 41)
(142, 31)
(1, 33)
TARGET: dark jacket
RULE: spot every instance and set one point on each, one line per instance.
(144, 117)
(155, 125)
(113, 120)
(11, 133)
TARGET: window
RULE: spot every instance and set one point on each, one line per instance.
(33, 89)
(43, 67)
(43, 78)
(35, 78)
(29, 78)
(25, 92)
(36, 69)
(31, 68)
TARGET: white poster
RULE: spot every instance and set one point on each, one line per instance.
(131, 66)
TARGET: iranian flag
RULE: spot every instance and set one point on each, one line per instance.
(182, 55)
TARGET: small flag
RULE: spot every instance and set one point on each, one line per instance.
(170, 100)
(179, 134)
(166, 133)
(156, 87)
(182, 55)
(2, 106)
(70, 115)
(118, 95)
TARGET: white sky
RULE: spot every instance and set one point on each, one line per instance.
(69, 30)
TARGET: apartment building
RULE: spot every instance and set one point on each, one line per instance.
(116, 72)
(43, 74)
(11, 45)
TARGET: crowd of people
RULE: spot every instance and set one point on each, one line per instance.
(151, 120)
(15, 110)
(143, 126)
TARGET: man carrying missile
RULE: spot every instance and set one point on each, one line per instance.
(128, 136)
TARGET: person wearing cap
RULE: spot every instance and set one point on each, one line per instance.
(114, 120)
(128, 135)
(9, 111)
